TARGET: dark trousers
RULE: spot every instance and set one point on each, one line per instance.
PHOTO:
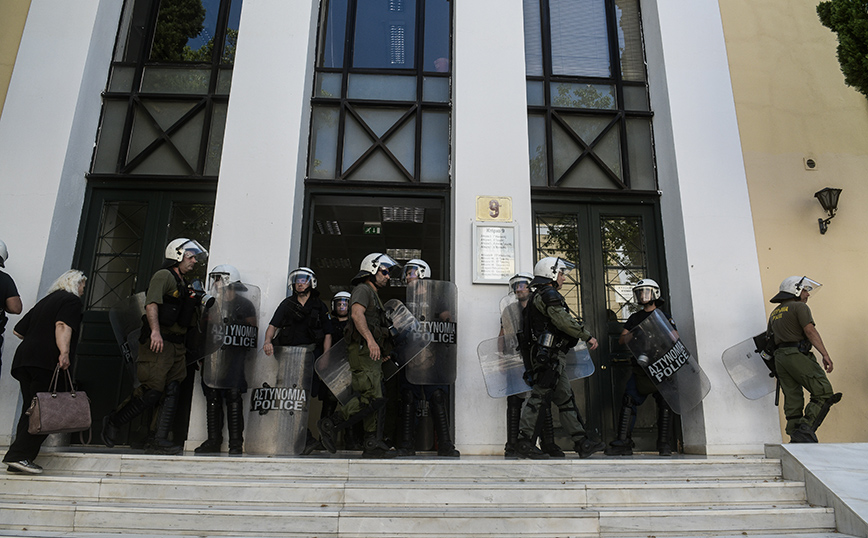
(32, 380)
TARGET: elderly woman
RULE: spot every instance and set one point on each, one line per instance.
(49, 333)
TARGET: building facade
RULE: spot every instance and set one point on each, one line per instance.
(618, 133)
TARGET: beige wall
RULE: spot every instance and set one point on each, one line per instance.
(792, 103)
(13, 13)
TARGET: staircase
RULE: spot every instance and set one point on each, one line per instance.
(112, 494)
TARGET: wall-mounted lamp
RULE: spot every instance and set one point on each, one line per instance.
(828, 198)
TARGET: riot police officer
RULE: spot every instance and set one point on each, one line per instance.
(229, 383)
(553, 331)
(647, 294)
(368, 343)
(792, 325)
(519, 286)
(340, 314)
(413, 395)
(170, 309)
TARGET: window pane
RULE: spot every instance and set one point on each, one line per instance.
(167, 80)
(188, 138)
(635, 98)
(385, 34)
(380, 120)
(535, 94)
(587, 175)
(356, 142)
(565, 150)
(624, 262)
(640, 154)
(324, 141)
(557, 235)
(378, 167)
(131, 39)
(163, 161)
(194, 221)
(435, 147)
(328, 85)
(402, 144)
(436, 35)
(536, 126)
(118, 250)
(231, 40)
(587, 127)
(121, 79)
(382, 87)
(580, 46)
(331, 47)
(435, 89)
(215, 139)
(630, 40)
(224, 82)
(185, 31)
(583, 95)
(609, 149)
(533, 60)
(108, 144)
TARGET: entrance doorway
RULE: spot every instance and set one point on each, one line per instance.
(613, 247)
(122, 241)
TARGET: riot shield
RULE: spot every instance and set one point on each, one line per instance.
(126, 319)
(744, 364)
(510, 314)
(435, 304)
(660, 352)
(334, 370)
(233, 322)
(503, 368)
(280, 402)
(407, 337)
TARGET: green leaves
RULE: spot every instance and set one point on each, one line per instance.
(849, 19)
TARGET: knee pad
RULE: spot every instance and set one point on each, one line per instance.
(151, 397)
(172, 389)
(439, 397)
(233, 396)
(630, 402)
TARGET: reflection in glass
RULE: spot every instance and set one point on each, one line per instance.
(109, 137)
(641, 154)
(601, 96)
(385, 35)
(435, 147)
(630, 40)
(215, 140)
(533, 52)
(557, 235)
(435, 89)
(436, 36)
(118, 249)
(169, 80)
(382, 87)
(185, 30)
(194, 221)
(231, 40)
(536, 126)
(580, 44)
(624, 262)
(331, 47)
(323, 145)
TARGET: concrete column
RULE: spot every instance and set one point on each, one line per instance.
(490, 159)
(47, 132)
(711, 254)
(260, 192)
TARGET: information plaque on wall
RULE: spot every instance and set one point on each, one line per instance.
(494, 248)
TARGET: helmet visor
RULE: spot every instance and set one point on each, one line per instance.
(809, 285)
(192, 248)
(520, 285)
(218, 280)
(563, 266)
(386, 261)
(644, 295)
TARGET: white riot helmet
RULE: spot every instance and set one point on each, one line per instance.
(176, 249)
(791, 288)
(417, 268)
(518, 278)
(646, 291)
(341, 296)
(302, 275)
(371, 264)
(4, 254)
(224, 273)
(547, 269)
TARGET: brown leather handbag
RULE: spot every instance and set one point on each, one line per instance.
(59, 412)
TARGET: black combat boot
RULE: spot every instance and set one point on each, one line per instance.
(112, 422)
(623, 445)
(587, 446)
(235, 423)
(213, 421)
(162, 445)
(375, 448)
(525, 449)
(406, 424)
(513, 420)
(803, 434)
(547, 435)
(664, 428)
(445, 446)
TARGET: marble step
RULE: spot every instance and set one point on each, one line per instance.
(167, 520)
(56, 534)
(380, 492)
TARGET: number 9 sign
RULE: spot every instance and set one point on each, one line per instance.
(494, 208)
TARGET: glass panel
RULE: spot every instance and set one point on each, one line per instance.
(536, 126)
(356, 142)
(580, 44)
(558, 235)
(533, 55)
(566, 150)
(436, 36)
(587, 175)
(601, 96)
(215, 139)
(167, 80)
(635, 98)
(185, 31)
(332, 34)
(121, 79)
(167, 113)
(624, 262)
(194, 221)
(144, 132)
(109, 137)
(640, 154)
(324, 142)
(231, 41)
(118, 250)
(609, 149)
(587, 127)
(224, 82)
(435, 89)
(163, 161)
(131, 38)
(435, 147)
(328, 85)
(380, 120)
(382, 87)
(535, 94)
(378, 167)
(188, 138)
(385, 34)
(630, 40)
(402, 144)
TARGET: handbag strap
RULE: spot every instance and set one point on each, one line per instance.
(54, 379)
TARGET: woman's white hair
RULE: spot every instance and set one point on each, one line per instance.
(68, 281)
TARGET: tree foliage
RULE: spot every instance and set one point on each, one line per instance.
(179, 21)
(849, 19)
